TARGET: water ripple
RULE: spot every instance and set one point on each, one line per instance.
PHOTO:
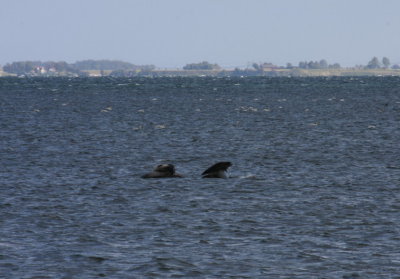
(313, 190)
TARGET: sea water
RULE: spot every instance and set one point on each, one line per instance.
(313, 191)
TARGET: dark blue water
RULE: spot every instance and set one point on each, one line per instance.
(313, 192)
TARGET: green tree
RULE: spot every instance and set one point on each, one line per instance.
(313, 65)
(323, 64)
(334, 66)
(257, 67)
(385, 62)
(374, 63)
(303, 65)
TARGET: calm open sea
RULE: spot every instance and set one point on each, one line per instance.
(314, 190)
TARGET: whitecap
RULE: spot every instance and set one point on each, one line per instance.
(248, 176)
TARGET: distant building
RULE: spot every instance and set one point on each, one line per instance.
(39, 70)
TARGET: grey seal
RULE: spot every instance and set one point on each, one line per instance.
(162, 171)
(217, 170)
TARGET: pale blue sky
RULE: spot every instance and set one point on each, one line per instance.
(172, 33)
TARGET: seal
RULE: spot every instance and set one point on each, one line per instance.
(217, 170)
(162, 171)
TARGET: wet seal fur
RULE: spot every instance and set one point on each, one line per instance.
(217, 170)
(162, 171)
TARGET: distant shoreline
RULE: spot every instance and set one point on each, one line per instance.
(116, 68)
(296, 72)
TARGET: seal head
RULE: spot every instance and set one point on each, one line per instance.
(162, 171)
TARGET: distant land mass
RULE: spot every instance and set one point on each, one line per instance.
(116, 68)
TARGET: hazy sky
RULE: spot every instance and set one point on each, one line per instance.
(172, 33)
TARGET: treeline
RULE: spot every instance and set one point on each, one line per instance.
(111, 65)
(375, 63)
(202, 66)
(322, 64)
(77, 68)
(38, 67)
